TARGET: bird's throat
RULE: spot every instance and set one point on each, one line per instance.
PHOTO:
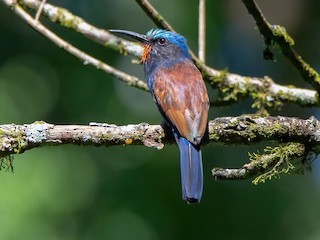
(146, 55)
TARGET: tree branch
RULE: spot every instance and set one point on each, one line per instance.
(249, 129)
(15, 139)
(40, 10)
(231, 86)
(202, 31)
(277, 34)
(67, 19)
(227, 130)
(154, 15)
(19, 138)
(87, 59)
(275, 161)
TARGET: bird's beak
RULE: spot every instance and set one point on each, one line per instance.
(137, 36)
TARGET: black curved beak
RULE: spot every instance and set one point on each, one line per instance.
(137, 36)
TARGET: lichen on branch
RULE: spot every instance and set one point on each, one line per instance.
(285, 158)
(246, 129)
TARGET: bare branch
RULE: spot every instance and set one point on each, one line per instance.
(277, 34)
(36, 18)
(154, 15)
(202, 31)
(87, 59)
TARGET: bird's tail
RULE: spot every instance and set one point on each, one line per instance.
(191, 170)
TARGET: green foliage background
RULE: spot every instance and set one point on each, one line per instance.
(133, 193)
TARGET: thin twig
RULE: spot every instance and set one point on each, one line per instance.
(277, 34)
(154, 15)
(87, 59)
(202, 31)
(39, 10)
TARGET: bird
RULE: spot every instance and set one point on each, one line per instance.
(178, 89)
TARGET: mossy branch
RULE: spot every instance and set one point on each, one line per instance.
(245, 129)
(275, 34)
(15, 139)
(285, 158)
(231, 86)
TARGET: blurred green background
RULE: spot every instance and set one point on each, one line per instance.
(133, 193)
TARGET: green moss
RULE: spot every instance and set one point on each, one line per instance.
(255, 130)
(230, 92)
(6, 163)
(218, 80)
(276, 161)
(311, 72)
(123, 49)
(2, 132)
(21, 143)
(102, 138)
(100, 65)
(70, 22)
(263, 100)
(17, 139)
(214, 136)
(280, 31)
(39, 122)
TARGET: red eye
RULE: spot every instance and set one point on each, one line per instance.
(162, 41)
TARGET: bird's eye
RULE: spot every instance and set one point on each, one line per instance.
(162, 41)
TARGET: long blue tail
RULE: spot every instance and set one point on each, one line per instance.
(191, 170)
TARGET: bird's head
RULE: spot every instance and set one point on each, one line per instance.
(160, 45)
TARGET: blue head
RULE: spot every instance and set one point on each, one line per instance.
(160, 45)
(167, 43)
(161, 49)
